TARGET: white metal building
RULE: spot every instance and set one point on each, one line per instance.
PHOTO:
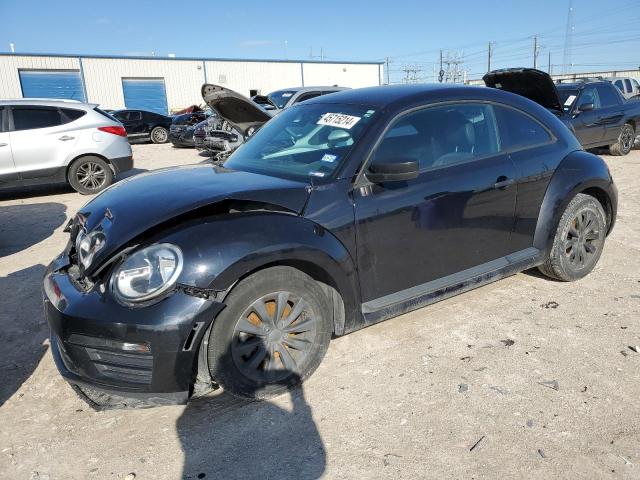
(166, 83)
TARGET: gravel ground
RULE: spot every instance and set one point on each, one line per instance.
(525, 377)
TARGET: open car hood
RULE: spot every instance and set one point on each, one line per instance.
(236, 109)
(533, 84)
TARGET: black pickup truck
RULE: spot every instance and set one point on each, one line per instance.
(594, 110)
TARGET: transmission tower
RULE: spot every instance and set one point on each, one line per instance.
(452, 71)
(411, 74)
(568, 40)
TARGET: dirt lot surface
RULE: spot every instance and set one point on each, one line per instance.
(524, 378)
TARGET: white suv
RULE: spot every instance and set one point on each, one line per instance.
(46, 141)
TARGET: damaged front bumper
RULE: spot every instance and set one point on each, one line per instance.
(145, 353)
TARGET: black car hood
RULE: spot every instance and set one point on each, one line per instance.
(533, 84)
(135, 205)
(236, 109)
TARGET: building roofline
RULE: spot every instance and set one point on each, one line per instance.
(200, 59)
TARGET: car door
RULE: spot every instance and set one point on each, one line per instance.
(611, 114)
(586, 123)
(134, 124)
(457, 214)
(7, 167)
(42, 140)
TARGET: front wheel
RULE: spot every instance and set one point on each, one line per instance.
(272, 335)
(159, 135)
(579, 240)
(89, 175)
(625, 142)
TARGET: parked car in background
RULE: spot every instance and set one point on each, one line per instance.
(281, 99)
(243, 116)
(143, 125)
(341, 212)
(50, 141)
(182, 127)
(594, 110)
(628, 86)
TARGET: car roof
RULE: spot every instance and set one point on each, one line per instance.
(579, 85)
(48, 102)
(390, 94)
(310, 89)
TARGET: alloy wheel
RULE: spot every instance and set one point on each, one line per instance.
(627, 138)
(274, 337)
(160, 135)
(91, 175)
(583, 239)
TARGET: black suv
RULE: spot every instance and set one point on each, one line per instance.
(144, 125)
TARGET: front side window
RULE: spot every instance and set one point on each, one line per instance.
(627, 84)
(304, 141)
(28, 118)
(618, 83)
(518, 130)
(441, 136)
(590, 95)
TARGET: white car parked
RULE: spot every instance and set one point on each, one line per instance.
(47, 141)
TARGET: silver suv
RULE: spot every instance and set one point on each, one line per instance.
(628, 86)
(48, 141)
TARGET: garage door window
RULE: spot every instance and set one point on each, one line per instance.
(65, 84)
(145, 94)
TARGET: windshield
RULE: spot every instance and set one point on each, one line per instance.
(303, 141)
(567, 97)
(281, 97)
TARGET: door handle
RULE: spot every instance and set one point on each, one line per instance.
(64, 138)
(503, 182)
(3, 144)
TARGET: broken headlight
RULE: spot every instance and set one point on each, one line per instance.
(147, 273)
(87, 245)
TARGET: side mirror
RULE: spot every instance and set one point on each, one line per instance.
(381, 171)
(586, 107)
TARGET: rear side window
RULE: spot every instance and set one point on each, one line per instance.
(518, 131)
(71, 114)
(28, 118)
(134, 116)
(608, 96)
(441, 136)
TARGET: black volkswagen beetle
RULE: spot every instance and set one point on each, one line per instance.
(339, 213)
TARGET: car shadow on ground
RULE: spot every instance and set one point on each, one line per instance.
(23, 329)
(227, 437)
(24, 225)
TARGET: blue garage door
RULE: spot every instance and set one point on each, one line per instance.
(65, 84)
(145, 94)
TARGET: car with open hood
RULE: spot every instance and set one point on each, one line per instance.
(593, 109)
(340, 212)
(243, 116)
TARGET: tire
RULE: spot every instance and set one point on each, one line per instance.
(159, 135)
(579, 240)
(252, 356)
(89, 175)
(625, 142)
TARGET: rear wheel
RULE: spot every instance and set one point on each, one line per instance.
(625, 142)
(159, 135)
(272, 335)
(89, 175)
(579, 240)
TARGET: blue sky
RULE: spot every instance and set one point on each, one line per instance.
(410, 32)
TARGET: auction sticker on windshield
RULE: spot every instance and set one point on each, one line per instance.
(338, 120)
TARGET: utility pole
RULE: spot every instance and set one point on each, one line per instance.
(535, 51)
(387, 69)
(549, 66)
(411, 74)
(441, 72)
(568, 40)
(489, 58)
(321, 55)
